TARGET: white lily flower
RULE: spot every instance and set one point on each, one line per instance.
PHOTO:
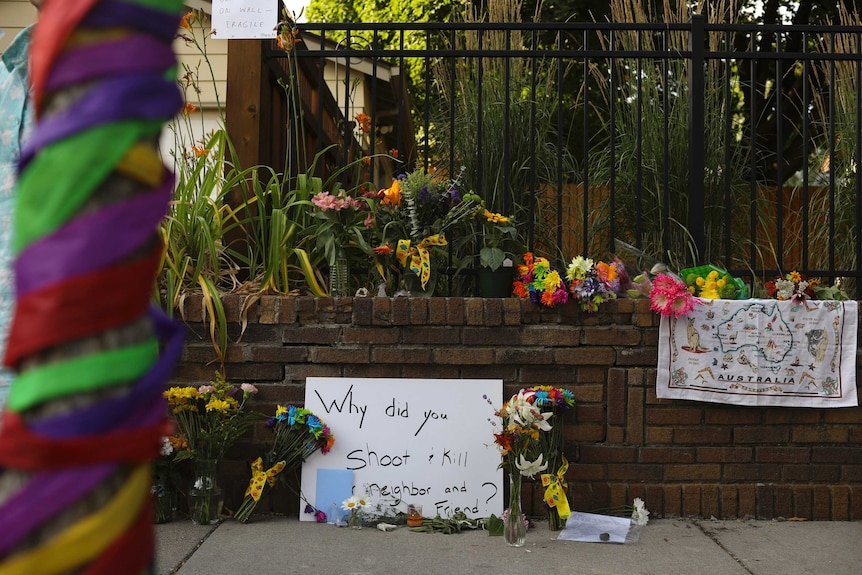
(530, 468)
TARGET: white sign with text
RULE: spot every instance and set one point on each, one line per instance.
(244, 19)
(426, 441)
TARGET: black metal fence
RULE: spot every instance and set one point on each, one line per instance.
(695, 143)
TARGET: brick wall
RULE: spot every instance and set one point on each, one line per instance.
(682, 457)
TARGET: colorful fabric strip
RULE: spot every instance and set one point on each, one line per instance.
(84, 540)
(49, 38)
(109, 413)
(143, 96)
(69, 311)
(86, 160)
(91, 242)
(132, 552)
(137, 53)
(24, 450)
(82, 374)
(161, 24)
(45, 495)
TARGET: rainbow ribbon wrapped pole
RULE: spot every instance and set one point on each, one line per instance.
(86, 415)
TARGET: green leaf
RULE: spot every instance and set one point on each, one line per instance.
(494, 525)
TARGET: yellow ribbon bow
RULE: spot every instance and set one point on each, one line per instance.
(555, 490)
(418, 258)
(259, 477)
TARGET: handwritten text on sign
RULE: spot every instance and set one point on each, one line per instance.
(424, 441)
(237, 19)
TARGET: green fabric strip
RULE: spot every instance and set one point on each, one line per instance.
(163, 5)
(45, 202)
(82, 374)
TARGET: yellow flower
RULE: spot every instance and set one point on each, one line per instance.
(712, 275)
(700, 281)
(216, 404)
(280, 410)
(496, 218)
(795, 277)
(392, 195)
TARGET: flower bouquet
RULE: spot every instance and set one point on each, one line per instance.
(592, 284)
(415, 213)
(556, 401)
(537, 281)
(521, 423)
(209, 420)
(165, 480)
(799, 288)
(343, 220)
(297, 433)
(709, 282)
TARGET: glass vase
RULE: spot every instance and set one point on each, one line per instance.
(164, 502)
(339, 272)
(354, 521)
(205, 496)
(514, 529)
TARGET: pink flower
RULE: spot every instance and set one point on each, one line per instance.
(369, 221)
(324, 201)
(248, 388)
(204, 389)
(670, 297)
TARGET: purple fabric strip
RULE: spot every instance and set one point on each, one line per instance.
(91, 242)
(134, 54)
(138, 97)
(45, 495)
(110, 414)
(108, 14)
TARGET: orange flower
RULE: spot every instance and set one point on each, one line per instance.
(187, 20)
(383, 250)
(392, 196)
(504, 440)
(286, 39)
(364, 121)
(366, 160)
(520, 289)
(200, 151)
(189, 108)
(393, 152)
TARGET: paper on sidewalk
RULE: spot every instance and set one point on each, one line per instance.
(593, 528)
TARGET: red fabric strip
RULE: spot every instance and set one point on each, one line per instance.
(132, 552)
(81, 306)
(22, 449)
(57, 21)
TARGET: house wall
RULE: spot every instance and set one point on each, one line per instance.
(15, 15)
(684, 458)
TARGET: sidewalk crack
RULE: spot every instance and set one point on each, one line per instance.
(715, 540)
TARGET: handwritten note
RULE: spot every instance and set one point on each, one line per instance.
(424, 441)
(238, 19)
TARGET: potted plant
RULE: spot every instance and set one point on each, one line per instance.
(497, 240)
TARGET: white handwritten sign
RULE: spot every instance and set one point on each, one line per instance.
(238, 19)
(424, 441)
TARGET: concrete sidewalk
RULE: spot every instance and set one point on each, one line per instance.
(270, 544)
